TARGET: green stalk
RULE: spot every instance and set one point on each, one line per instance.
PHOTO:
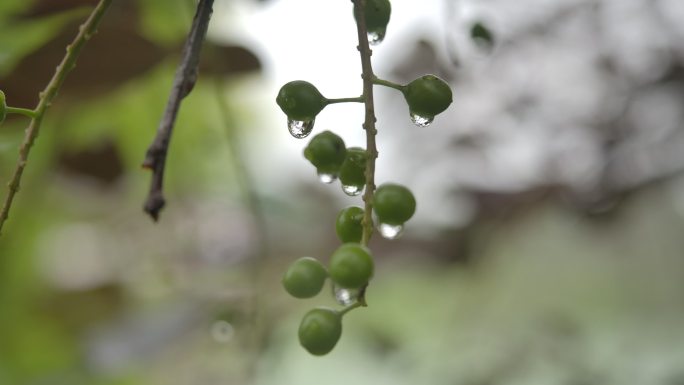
(387, 83)
(369, 121)
(345, 100)
(22, 111)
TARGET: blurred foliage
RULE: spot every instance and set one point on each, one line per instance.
(34, 34)
(45, 316)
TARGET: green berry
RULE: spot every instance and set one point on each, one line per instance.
(481, 35)
(348, 224)
(427, 96)
(351, 266)
(326, 151)
(393, 204)
(378, 14)
(300, 100)
(353, 170)
(3, 107)
(304, 278)
(320, 330)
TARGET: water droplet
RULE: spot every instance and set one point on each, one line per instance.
(390, 231)
(421, 121)
(300, 128)
(345, 297)
(376, 37)
(326, 178)
(222, 331)
(352, 190)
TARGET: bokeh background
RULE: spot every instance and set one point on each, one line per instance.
(547, 247)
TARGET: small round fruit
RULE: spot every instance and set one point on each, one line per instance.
(393, 204)
(482, 35)
(348, 224)
(428, 96)
(378, 14)
(320, 330)
(3, 107)
(351, 266)
(326, 151)
(304, 278)
(353, 170)
(300, 100)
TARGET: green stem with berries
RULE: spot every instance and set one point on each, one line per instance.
(21, 111)
(369, 120)
(85, 32)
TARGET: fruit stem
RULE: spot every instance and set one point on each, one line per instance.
(369, 121)
(387, 83)
(22, 111)
(351, 307)
(85, 32)
(358, 99)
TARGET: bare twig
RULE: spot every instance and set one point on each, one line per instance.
(86, 31)
(184, 81)
(369, 121)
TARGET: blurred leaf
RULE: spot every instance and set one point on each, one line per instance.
(9, 8)
(100, 66)
(48, 7)
(33, 33)
(223, 60)
(166, 22)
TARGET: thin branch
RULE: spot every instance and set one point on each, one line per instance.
(184, 81)
(86, 31)
(369, 121)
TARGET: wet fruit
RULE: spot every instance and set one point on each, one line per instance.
(326, 151)
(304, 278)
(300, 100)
(320, 330)
(348, 224)
(427, 96)
(351, 266)
(393, 204)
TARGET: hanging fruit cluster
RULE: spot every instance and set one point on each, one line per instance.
(351, 265)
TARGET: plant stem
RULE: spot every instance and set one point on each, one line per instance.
(184, 81)
(369, 121)
(387, 83)
(22, 111)
(248, 188)
(359, 99)
(352, 307)
(85, 32)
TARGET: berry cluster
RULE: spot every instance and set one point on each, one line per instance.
(351, 265)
